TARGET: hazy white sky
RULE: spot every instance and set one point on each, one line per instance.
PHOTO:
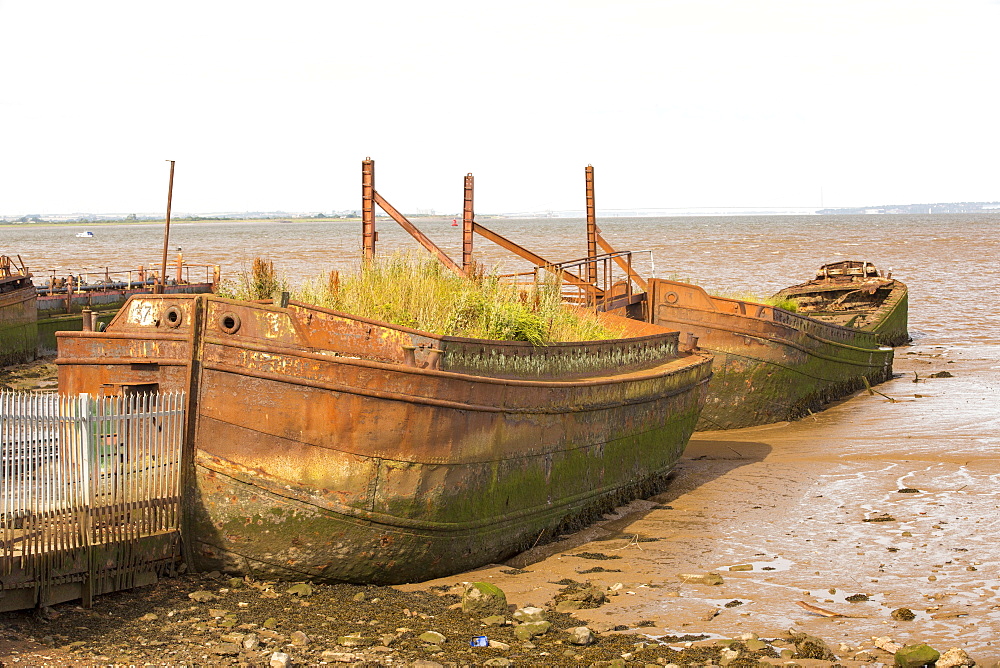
(701, 103)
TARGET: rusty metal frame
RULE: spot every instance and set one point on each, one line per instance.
(534, 258)
(417, 234)
(587, 281)
(609, 301)
(370, 197)
(627, 267)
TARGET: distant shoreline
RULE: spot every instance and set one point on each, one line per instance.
(136, 223)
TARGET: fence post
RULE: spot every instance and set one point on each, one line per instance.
(86, 439)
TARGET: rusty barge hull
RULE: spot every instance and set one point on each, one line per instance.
(18, 314)
(342, 449)
(770, 364)
(855, 294)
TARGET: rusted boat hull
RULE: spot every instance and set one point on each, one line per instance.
(337, 448)
(18, 314)
(770, 364)
(855, 294)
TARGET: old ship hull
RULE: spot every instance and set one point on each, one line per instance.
(855, 294)
(770, 365)
(18, 314)
(326, 447)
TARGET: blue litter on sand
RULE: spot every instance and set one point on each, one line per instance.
(479, 641)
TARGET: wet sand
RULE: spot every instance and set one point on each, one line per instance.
(792, 501)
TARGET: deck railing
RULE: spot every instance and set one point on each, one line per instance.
(84, 482)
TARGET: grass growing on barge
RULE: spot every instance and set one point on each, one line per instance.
(418, 292)
(778, 302)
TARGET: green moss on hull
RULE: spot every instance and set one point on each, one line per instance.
(18, 343)
(503, 509)
(746, 391)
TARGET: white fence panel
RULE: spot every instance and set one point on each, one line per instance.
(82, 476)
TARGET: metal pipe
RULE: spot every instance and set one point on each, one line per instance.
(166, 232)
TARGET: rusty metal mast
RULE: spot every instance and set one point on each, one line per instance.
(368, 209)
(468, 220)
(161, 287)
(591, 226)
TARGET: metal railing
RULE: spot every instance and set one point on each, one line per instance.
(611, 278)
(83, 479)
(58, 281)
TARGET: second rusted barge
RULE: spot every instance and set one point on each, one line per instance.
(855, 294)
(332, 447)
(18, 313)
(771, 364)
(63, 298)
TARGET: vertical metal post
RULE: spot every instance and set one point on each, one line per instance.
(368, 209)
(85, 435)
(166, 233)
(468, 220)
(69, 293)
(591, 227)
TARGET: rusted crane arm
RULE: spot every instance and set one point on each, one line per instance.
(417, 234)
(636, 278)
(537, 260)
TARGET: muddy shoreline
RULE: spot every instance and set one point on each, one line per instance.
(794, 517)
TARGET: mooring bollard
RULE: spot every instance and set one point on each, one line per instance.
(434, 358)
(409, 357)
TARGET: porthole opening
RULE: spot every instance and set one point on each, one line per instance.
(229, 323)
(174, 316)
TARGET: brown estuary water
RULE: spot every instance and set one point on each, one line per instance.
(789, 500)
(948, 261)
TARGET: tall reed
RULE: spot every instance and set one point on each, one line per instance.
(262, 281)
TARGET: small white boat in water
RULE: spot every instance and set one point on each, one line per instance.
(85, 235)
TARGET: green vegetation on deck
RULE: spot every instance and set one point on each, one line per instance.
(418, 292)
